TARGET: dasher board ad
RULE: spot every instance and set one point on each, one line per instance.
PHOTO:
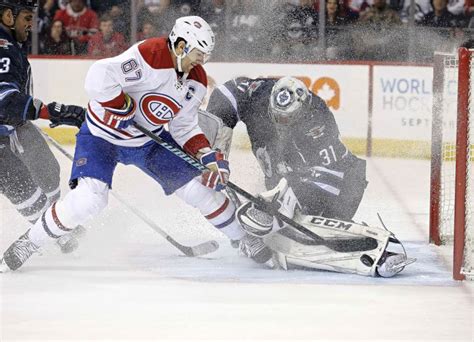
(345, 88)
(402, 102)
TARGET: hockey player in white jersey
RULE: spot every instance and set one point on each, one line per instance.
(155, 82)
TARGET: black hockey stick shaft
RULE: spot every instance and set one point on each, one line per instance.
(335, 244)
(191, 251)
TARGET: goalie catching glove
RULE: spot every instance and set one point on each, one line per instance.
(218, 175)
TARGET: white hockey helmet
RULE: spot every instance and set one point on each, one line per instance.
(197, 34)
(289, 100)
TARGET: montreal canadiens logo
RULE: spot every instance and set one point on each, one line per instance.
(159, 109)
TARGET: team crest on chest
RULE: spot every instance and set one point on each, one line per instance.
(159, 109)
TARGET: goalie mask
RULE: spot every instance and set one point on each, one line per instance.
(289, 100)
(196, 33)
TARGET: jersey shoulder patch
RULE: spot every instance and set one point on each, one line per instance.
(155, 52)
(5, 44)
(198, 74)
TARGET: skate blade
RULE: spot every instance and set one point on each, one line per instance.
(400, 266)
(3, 267)
(407, 262)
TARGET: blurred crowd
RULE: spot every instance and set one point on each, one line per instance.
(262, 30)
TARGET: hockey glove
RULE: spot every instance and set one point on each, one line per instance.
(218, 176)
(60, 114)
(120, 118)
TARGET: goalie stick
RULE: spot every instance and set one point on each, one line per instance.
(190, 251)
(338, 245)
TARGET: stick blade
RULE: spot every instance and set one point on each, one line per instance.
(201, 249)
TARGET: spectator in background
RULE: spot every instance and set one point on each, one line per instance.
(120, 15)
(379, 34)
(440, 16)
(214, 12)
(458, 7)
(185, 7)
(103, 6)
(148, 31)
(46, 10)
(180, 8)
(360, 6)
(156, 12)
(154, 6)
(422, 7)
(296, 30)
(106, 42)
(247, 26)
(56, 41)
(61, 4)
(337, 17)
(380, 14)
(80, 23)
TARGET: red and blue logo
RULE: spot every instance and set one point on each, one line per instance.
(159, 109)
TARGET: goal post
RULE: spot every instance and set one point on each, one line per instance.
(452, 159)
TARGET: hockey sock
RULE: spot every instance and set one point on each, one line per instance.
(215, 207)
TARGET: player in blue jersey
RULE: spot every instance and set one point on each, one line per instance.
(29, 173)
(310, 175)
(293, 135)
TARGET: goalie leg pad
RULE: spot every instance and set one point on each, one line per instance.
(292, 249)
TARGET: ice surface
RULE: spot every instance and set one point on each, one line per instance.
(126, 282)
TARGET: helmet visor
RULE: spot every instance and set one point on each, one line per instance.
(199, 56)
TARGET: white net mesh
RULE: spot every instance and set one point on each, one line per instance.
(448, 164)
(448, 161)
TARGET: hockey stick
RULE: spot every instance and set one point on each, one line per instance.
(339, 245)
(190, 251)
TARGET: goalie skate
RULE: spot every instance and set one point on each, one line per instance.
(392, 263)
(19, 251)
(254, 248)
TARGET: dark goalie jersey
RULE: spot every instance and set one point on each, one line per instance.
(313, 142)
(15, 84)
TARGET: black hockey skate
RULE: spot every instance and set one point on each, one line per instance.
(254, 248)
(19, 251)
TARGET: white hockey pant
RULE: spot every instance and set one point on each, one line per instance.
(81, 204)
(214, 206)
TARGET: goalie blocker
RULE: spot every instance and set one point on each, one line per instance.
(384, 256)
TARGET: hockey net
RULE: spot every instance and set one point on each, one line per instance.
(452, 159)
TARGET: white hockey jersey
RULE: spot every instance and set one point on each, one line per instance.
(146, 73)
